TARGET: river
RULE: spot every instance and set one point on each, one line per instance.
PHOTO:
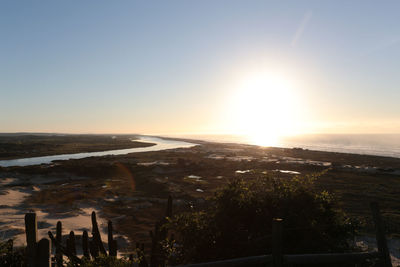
(160, 144)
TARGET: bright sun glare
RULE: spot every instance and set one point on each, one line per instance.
(265, 108)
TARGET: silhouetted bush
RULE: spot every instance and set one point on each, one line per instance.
(238, 222)
(11, 257)
(103, 261)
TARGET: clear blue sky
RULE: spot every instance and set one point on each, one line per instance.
(171, 66)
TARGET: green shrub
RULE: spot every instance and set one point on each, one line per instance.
(11, 257)
(104, 261)
(238, 221)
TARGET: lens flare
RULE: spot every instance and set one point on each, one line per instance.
(123, 172)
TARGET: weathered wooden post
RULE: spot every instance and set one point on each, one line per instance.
(96, 235)
(380, 235)
(71, 248)
(94, 249)
(31, 238)
(277, 243)
(59, 255)
(73, 258)
(112, 244)
(85, 244)
(44, 253)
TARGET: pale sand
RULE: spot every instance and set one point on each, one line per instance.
(12, 212)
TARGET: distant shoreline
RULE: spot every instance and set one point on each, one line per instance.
(384, 145)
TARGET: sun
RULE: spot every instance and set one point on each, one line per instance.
(264, 108)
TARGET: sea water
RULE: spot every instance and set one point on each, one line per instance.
(368, 144)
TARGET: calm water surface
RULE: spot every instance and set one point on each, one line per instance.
(367, 144)
(160, 144)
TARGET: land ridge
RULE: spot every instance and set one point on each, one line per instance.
(32, 145)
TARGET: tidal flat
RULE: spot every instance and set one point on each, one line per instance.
(132, 189)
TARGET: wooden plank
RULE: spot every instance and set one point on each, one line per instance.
(292, 259)
(380, 235)
(245, 261)
(330, 258)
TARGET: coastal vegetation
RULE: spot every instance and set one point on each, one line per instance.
(237, 221)
(10, 256)
(131, 190)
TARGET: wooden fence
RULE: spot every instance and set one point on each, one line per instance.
(39, 252)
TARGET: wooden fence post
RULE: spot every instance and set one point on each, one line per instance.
(44, 253)
(74, 259)
(31, 238)
(85, 244)
(93, 248)
(112, 244)
(59, 257)
(71, 248)
(96, 235)
(277, 243)
(380, 235)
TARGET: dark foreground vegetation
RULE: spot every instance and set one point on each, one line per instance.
(236, 222)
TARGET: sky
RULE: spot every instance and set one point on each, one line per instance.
(165, 67)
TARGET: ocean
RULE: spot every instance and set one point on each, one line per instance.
(367, 144)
